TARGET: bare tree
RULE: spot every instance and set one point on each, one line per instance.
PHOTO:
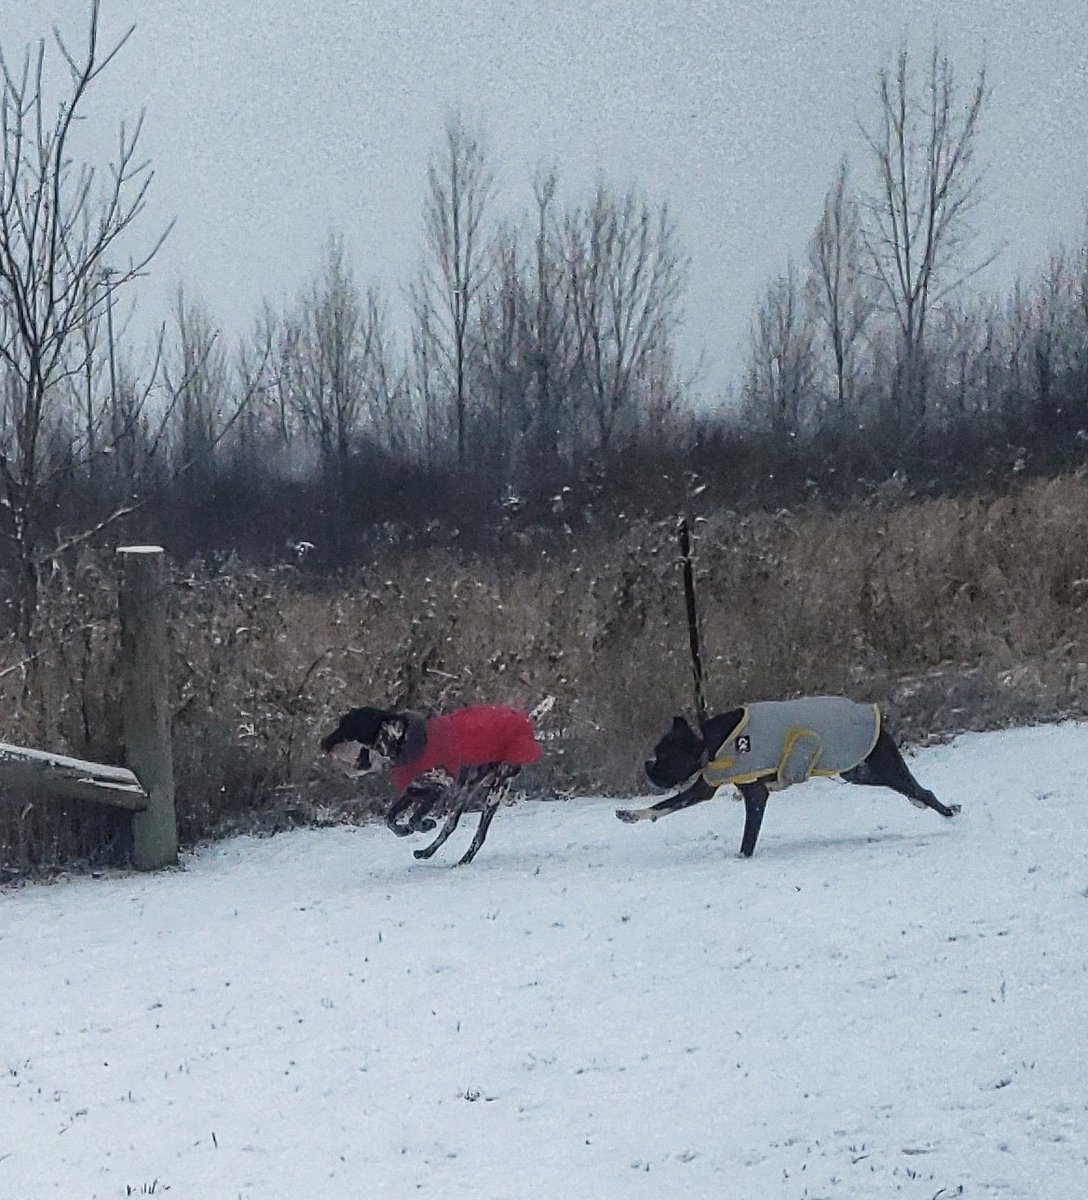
(1080, 289)
(459, 187)
(626, 279)
(547, 327)
(62, 225)
(87, 383)
(322, 360)
(384, 381)
(781, 366)
(924, 151)
(1054, 312)
(423, 384)
(959, 333)
(842, 296)
(196, 379)
(263, 431)
(501, 371)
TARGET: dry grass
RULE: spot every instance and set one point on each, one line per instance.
(954, 614)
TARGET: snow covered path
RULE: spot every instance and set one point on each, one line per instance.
(880, 1003)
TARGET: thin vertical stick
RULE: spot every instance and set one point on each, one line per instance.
(693, 620)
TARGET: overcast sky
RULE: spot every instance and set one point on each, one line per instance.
(271, 123)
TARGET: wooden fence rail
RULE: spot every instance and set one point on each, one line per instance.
(71, 778)
(145, 787)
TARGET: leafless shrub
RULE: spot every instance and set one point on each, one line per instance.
(954, 614)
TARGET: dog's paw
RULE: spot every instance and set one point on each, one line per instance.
(424, 826)
(956, 808)
(626, 815)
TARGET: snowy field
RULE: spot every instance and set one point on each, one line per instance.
(880, 1003)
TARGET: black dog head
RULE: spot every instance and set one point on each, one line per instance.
(367, 739)
(677, 756)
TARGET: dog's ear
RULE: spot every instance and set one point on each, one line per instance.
(339, 734)
(679, 725)
(413, 739)
(356, 725)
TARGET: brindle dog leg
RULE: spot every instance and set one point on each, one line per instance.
(461, 799)
(495, 786)
(394, 811)
(421, 799)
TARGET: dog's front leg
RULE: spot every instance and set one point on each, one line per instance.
(699, 791)
(420, 821)
(394, 811)
(755, 801)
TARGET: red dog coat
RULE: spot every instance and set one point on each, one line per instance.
(471, 737)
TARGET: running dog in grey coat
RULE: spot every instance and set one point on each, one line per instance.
(774, 744)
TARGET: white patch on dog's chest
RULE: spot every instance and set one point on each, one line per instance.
(344, 754)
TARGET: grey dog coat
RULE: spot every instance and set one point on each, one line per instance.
(789, 741)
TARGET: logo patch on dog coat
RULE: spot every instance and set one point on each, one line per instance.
(742, 744)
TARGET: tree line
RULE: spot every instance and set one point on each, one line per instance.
(537, 377)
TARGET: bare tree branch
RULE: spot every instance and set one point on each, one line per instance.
(928, 183)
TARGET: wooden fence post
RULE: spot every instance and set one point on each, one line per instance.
(145, 682)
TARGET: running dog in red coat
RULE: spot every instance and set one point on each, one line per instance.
(468, 754)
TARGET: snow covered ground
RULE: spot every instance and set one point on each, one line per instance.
(879, 1003)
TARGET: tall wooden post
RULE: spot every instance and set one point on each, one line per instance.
(145, 682)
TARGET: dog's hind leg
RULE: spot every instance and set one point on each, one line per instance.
(460, 801)
(491, 804)
(885, 768)
(755, 801)
(495, 786)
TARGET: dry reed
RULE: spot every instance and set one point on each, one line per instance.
(955, 614)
